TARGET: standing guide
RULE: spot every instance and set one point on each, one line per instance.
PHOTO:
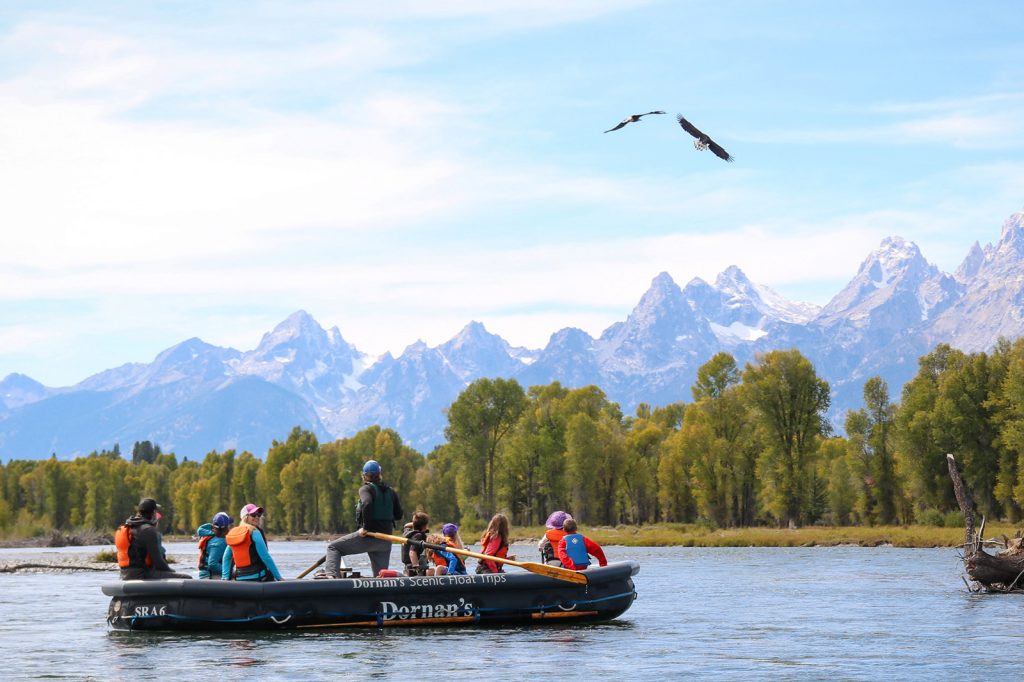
(140, 549)
(377, 511)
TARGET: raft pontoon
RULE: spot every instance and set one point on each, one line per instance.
(514, 597)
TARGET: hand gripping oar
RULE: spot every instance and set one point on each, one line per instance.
(532, 567)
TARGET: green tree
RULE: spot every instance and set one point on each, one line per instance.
(478, 421)
(790, 402)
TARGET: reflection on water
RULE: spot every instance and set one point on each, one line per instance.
(809, 613)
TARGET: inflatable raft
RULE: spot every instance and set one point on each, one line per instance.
(513, 597)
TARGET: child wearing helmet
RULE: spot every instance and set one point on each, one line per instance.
(212, 545)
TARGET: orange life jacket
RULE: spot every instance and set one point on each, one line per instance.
(554, 535)
(202, 549)
(458, 557)
(123, 542)
(243, 551)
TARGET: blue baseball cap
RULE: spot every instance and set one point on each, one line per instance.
(371, 468)
(222, 519)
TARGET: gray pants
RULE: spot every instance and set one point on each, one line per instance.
(353, 543)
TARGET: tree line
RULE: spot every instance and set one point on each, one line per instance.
(753, 447)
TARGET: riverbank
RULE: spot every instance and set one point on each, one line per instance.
(655, 535)
(692, 535)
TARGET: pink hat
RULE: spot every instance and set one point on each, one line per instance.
(250, 510)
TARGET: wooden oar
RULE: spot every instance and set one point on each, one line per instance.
(532, 567)
(319, 561)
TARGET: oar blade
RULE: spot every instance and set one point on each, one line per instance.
(554, 572)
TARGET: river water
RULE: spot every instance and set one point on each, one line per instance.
(844, 613)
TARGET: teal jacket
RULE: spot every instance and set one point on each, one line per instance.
(210, 564)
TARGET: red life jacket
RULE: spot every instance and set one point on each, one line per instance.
(123, 539)
(243, 551)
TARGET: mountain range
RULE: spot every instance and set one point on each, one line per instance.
(195, 397)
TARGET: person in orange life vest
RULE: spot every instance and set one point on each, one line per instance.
(575, 550)
(212, 545)
(452, 538)
(549, 543)
(247, 549)
(494, 541)
(140, 550)
(445, 563)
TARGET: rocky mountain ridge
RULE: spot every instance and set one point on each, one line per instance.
(195, 397)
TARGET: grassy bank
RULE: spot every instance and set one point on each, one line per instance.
(658, 535)
(691, 535)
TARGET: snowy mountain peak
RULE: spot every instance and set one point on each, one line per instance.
(472, 332)
(891, 260)
(732, 279)
(971, 264)
(298, 324)
(894, 283)
(1011, 239)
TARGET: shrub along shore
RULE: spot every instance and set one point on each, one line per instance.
(676, 535)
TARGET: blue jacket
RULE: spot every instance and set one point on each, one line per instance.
(261, 549)
(215, 547)
(453, 561)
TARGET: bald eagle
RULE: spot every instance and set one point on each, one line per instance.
(632, 119)
(703, 141)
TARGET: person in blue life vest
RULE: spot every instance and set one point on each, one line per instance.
(575, 550)
(247, 551)
(212, 544)
(377, 511)
(445, 562)
(140, 549)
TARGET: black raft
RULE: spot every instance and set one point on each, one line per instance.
(514, 597)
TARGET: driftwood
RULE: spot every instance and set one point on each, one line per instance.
(11, 568)
(1001, 572)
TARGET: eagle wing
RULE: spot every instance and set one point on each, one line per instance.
(622, 124)
(690, 128)
(703, 137)
(718, 151)
(652, 112)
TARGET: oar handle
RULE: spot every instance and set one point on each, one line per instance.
(542, 569)
(319, 561)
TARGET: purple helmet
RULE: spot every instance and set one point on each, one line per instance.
(557, 520)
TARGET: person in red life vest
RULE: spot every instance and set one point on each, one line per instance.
(575, 550)
(494, 542)
(212, 545)
(377, 511)
(549, 543)
(140, 550)
(247, 549)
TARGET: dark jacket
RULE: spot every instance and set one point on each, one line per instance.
(146, 543)
(377, 516)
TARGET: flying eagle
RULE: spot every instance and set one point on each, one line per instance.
(632, 119)
(703, 141)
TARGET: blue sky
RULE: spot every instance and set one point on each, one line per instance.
(399, 169)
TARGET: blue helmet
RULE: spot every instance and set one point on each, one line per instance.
(223, 520)
(371, 468)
